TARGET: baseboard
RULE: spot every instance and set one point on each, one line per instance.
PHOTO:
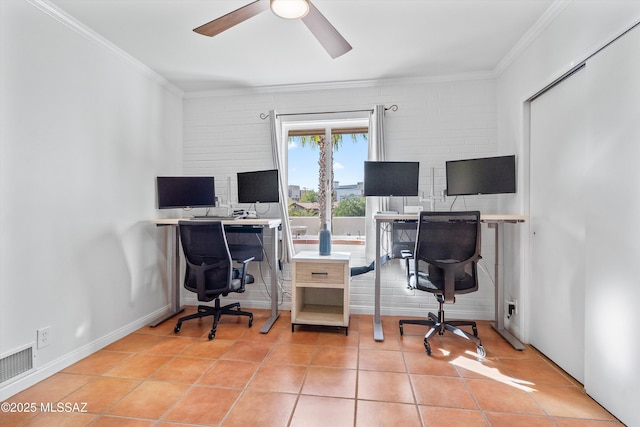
(45, 371)
(411, 312)
(246, 303)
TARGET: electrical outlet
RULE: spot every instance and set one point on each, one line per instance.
(511, 308)
(44, 337)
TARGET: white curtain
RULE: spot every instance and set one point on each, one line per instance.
(279, 150)
(375, 204)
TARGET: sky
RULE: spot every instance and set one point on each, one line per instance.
(348, 163)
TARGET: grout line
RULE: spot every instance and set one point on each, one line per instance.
(362, 343)
(413, 388)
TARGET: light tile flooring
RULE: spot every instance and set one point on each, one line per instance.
(313, 377)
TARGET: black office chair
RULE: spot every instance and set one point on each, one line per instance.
(210, 271)
(446, 253)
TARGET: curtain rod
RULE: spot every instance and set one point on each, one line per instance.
(264, 116)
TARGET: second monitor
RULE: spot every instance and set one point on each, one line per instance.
(487, 175)
(258, 187)
(383, 178)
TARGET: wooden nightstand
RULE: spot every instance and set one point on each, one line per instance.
(320, 290)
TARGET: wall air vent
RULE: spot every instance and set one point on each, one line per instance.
(16, 363)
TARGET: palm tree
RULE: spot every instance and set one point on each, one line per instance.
(325, 184)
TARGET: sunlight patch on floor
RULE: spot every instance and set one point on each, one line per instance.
(492, 373)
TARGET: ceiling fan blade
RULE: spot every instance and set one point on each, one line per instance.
(325, 33)
(232, 18)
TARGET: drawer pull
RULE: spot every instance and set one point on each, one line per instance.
(324, 273)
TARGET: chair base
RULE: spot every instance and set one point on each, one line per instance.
(217, 311)
(439, 325)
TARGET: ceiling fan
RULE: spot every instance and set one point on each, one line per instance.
(320, 27)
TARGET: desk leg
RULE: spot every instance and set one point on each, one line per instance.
(174, 303)
(378, 333)
(274, 283)
(499, 295)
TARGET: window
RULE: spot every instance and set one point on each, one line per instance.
(326, 180)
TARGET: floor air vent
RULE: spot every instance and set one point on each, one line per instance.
(15, 364)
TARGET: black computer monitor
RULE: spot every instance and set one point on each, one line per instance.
(258, 187)
(185, 192)
(391, 178)
(488, 175)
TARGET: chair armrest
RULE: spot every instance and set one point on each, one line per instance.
(406, 254)
(245, 261)
(243, 269)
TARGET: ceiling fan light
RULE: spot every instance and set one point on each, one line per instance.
(290, 9)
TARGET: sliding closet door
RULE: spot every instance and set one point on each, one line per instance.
(612, 369)
(557, 201)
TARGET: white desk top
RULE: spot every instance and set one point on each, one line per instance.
(266, 222)
(487, 218)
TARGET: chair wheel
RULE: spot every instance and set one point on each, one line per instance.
(177, 328)
(481, 351)
(427, 347)
(475, 331)
(212, 335)
(251, 321)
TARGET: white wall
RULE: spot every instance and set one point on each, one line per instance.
(84, 130)
(578, 30)
(436, 121)
(611, 89)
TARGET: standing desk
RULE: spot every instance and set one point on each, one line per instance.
(495, 221)
(271, 224)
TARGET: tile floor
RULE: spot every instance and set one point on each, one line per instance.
(313, 377)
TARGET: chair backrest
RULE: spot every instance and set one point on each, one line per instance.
(209, 269)
(447, 250)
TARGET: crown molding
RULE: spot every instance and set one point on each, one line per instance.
(349, 84)
(538, 27)
(75, 25)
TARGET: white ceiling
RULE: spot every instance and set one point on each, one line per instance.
(390, 39)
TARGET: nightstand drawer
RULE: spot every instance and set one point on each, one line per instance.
(325, 273)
